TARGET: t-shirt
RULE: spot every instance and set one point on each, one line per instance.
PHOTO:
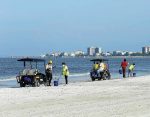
(131, 67)
(65, 70)
(124, 64)
(96, 66)
(102, 66)
(49, 68)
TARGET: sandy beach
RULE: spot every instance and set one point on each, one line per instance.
(128, 97)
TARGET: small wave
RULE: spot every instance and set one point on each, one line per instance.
(74, 75)
(77, 75)
(8, 79)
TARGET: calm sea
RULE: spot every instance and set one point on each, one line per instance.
(79, 67)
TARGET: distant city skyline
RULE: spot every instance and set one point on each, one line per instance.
(35, 27)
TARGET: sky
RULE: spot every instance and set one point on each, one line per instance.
(35, 27)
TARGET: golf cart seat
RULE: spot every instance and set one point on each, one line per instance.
(32, 72)
(25, 72)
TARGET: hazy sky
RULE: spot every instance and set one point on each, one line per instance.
(33, 27)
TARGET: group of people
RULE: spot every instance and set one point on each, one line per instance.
(49, 72)
(124, 65)
(99, 68)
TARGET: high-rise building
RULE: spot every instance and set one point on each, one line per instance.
(98, 50)
(91, 51)
(145, 50)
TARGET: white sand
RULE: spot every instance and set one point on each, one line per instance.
(111, 98)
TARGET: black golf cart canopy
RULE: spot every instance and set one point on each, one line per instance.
(98, 60)
(31, 60)
(36, 60)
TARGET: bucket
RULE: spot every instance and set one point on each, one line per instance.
(134, 74)
(56, 83)
(120, 71)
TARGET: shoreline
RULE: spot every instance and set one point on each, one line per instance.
(115, 98)
(12, 83)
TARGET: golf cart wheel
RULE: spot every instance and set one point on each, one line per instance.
(93, 79)
(104, 77)
(109, 77)
(99, 78)
(22, 84)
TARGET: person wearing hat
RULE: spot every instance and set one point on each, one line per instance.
(49, 68)
(65, 72)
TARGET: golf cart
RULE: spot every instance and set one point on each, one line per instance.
(105, 74)
(31, 75)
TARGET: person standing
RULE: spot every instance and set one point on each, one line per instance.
(65, 72)
(100, 71)
(48, 71)
(124, 65)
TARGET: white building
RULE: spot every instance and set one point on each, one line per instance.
(43, 56)
(145, 50)
(72, 54)
(79, 52)
(107, 54)
(91, 51)
(117, 53)
(56, 54)
(98, 50)
(64, 54)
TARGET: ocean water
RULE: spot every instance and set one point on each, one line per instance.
(79, 67)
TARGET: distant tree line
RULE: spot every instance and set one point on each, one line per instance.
(133, 54)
